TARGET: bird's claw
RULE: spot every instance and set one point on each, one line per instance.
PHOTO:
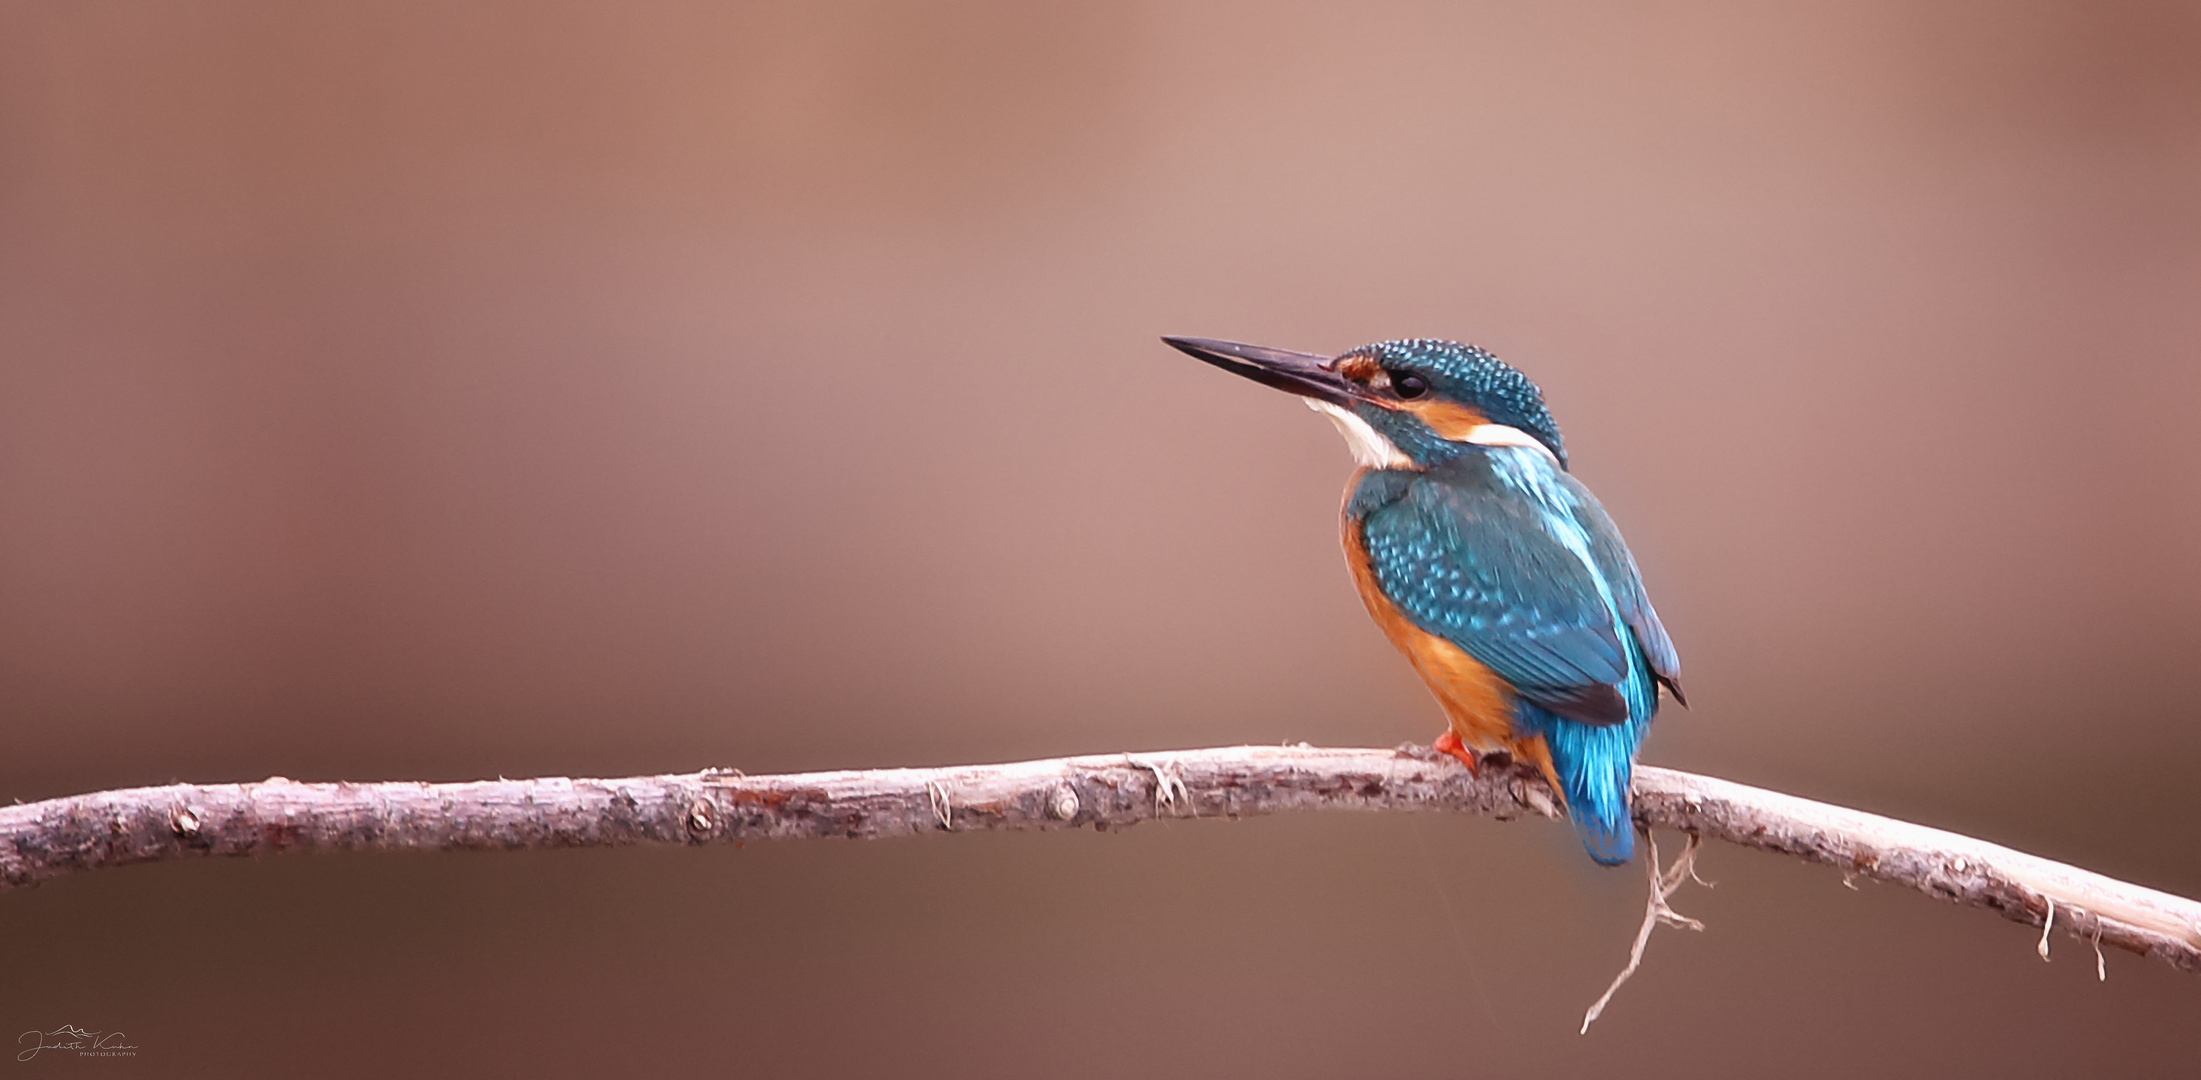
(1449, 743)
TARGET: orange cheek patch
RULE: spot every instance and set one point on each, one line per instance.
(1449, 421)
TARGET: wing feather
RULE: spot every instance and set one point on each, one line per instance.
(1474, 565)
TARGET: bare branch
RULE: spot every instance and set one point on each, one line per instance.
(48, 839)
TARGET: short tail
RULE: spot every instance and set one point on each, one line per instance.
(1609, 841)
(1594, 764)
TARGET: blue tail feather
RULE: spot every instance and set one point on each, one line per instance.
(1611, 843)
(1595, 772)
(1594, 763)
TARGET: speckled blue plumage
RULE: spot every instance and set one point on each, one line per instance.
(1500, 552)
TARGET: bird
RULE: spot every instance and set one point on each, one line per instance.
(1484, 561)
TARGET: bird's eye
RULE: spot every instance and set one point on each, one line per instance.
(1409, 386)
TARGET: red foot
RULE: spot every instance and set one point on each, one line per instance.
(1449, 743)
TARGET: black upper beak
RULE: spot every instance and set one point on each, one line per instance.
(1305, 374)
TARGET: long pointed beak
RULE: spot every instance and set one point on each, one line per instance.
(1305, 374)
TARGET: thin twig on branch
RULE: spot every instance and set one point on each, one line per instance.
(1663, 884)
(48, 839)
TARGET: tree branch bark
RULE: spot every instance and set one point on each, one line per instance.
(44, 840)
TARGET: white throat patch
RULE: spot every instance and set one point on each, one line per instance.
(1369, 448)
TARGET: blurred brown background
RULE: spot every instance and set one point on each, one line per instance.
(442, 391)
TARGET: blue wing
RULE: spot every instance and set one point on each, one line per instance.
(1481, 564)
(1618, 568)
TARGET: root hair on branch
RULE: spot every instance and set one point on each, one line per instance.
(937, 794)
(1654, 913)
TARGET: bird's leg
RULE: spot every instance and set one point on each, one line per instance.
(1449, 743)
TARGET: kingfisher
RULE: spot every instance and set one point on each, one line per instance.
(1488, 564)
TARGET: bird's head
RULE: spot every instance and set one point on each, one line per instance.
(1402, 404)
